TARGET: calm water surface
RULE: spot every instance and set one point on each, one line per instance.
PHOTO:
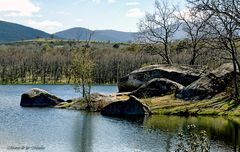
(59, 130)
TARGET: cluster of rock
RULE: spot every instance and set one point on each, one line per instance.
(106, 104)
(156, 80)
(208, 85)
(187, 83)
(180, 74)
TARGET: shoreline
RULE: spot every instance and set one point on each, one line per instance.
(219, 105)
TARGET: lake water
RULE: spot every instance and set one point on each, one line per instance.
(59, 130)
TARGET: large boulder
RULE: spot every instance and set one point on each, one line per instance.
(181, 74)
(209, 85)
(121, 108)
(39, 98)
(157, 87)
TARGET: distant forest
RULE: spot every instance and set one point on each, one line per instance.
(51, 61)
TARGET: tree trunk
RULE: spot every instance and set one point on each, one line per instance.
(192, 62)
(235, 80)
(167, 56)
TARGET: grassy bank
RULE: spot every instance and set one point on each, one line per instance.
(221, 104)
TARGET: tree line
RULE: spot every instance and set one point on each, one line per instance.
(49, 63)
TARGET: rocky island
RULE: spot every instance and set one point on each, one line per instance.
(155, 89)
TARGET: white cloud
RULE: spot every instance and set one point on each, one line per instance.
(46, 24)
(132, 3)
(96, 1)
(18, 7)
(77, 2)
(79, 20)
(12, 14)
(135, 12)
(2, 19)
(189, 14)
(184, 12)
(111, 1)
(99, 1)
(63, 13)
(38, 15)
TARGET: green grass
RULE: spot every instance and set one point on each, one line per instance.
(221, 104)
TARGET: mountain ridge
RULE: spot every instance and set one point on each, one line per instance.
(10, 32)
(80, 33)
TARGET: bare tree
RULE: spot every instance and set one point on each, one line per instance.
(229, 8)
(226, 31)
(225, 22)
(194, 24)
(160, 27)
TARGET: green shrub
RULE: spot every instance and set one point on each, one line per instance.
(193, 141)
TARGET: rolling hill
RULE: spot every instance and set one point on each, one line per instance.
(98, 35)
(80, 33)
(10, 32)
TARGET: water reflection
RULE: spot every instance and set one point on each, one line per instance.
(236, 137)
(132, 119)
(168, 142)
(73, 131)
(220, 129)
(83, 133)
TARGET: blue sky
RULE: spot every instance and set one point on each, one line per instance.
(56, 15)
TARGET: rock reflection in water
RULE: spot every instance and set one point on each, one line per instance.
(133, 119)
